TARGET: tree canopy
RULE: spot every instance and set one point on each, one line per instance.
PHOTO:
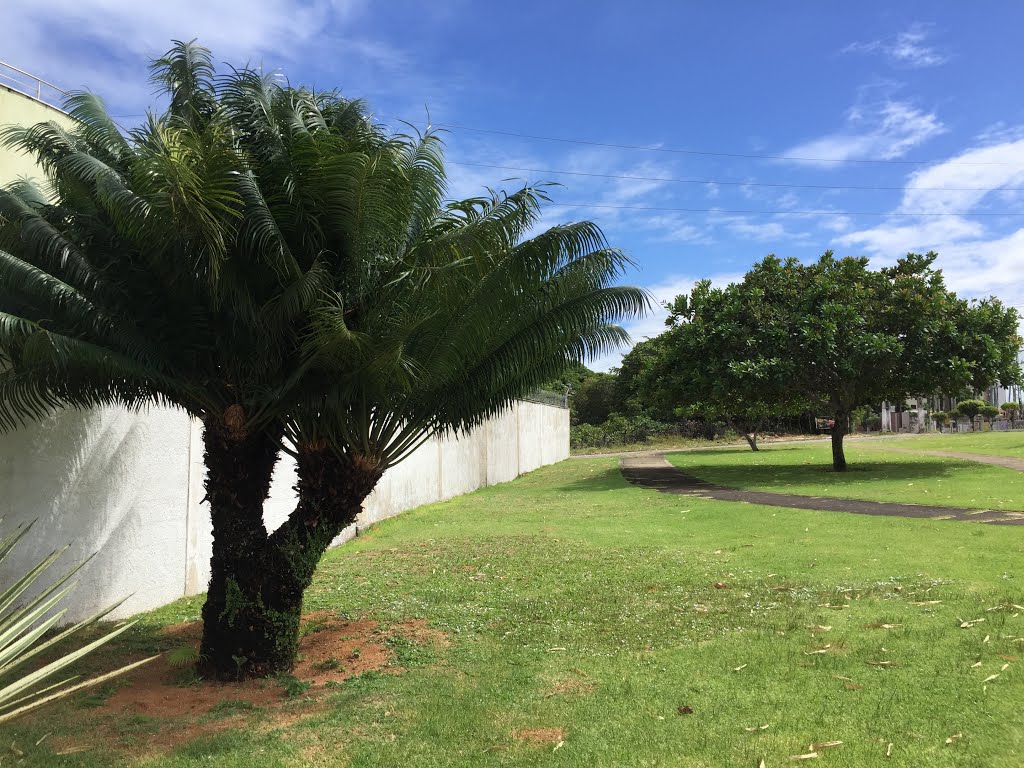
(831, 335)
(710, 361)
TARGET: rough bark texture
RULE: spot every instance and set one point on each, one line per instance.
(238, 472)
(839, 429)
(252, 612)
(751, 439)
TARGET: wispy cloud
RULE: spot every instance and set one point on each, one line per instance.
(909, 48)
(757, 229)
(966, 180)
(105, 45)
(233, 28)
(676, 228)
(978, 259)
(894, 237)
(883, 130)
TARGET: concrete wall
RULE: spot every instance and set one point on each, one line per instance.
(129, 487)
(108, 482)
(19, 109)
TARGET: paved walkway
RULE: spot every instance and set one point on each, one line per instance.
(654, 471)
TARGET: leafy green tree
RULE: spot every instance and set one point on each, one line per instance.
(834, 334)
(970, 409)
(707, 363)
(865, 419)
(989, 412)
(570, 379)
(594, 400)
(1011, 409)
(266, 259)
(633, 384)
(859, 417)
(941, 418)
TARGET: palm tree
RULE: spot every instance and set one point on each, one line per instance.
(268, 260)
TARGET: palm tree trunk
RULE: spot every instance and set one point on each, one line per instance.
(238, 473)
(252, 615)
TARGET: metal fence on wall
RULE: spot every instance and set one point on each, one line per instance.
(548, 397)
(32, 86)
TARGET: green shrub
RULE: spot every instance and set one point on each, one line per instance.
(968, 409)
(988, 412)
(586, 436)
(620, 429)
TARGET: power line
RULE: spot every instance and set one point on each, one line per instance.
(779, 213)
(709, 153)
(720, 182)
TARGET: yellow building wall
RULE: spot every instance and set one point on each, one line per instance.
(18, 109)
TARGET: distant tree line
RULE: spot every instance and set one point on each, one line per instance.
(832, 338)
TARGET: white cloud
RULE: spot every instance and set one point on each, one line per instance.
(1000, 133)
(909, 48)
(788, 200)
(884, 130)
(763, 231)
(237, 29)
(676, 228)
(105, 45)
(977, 260)
(945, 190)
(965, 180)
(837, 223)
(893, 238)
(760, 230)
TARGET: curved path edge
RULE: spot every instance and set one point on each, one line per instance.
(655, 472)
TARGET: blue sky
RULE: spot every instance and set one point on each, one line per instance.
(779, 109)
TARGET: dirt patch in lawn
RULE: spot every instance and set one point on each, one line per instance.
(419, 632)
(539, 736)
(573, 685)
(330, 651)
(164, 707)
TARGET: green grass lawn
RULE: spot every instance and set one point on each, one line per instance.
(990, 443)
(616, 626)
(874, 474)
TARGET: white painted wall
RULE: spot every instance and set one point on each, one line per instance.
(129, 487)
(18, 109)
(108, 482)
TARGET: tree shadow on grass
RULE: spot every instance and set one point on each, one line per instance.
(605, 479)
(765, 448)
(857, 473)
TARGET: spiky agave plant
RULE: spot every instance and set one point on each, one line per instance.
(24, 624)
(265, 258)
